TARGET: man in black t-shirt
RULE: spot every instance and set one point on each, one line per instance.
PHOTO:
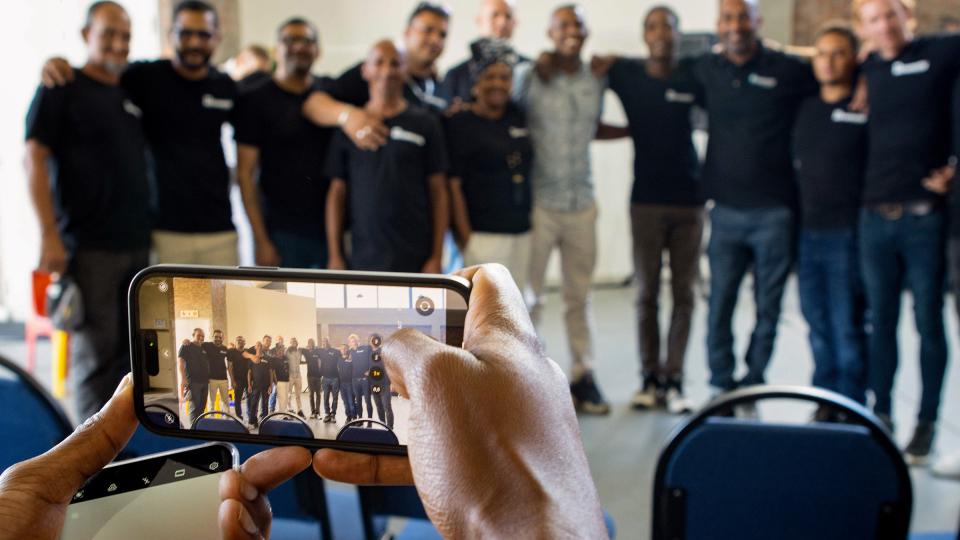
(666, 209)
(276, 357)
(285, 200)
(330, 359)
(361, 356)
(87, 171)
(193, 368)
(237, 368)
(345, 372)
(396, 196)
(311, 356)
(903, 223)
(217, 356)
(830, 146)
(259, 381)
(184, 102)
(751, 94)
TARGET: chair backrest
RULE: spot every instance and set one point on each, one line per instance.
(731, 478)
(284, 424)
(356, 432)
(39, 282)
(33, 422)
(219, 421)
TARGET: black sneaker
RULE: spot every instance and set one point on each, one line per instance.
(586, 396)
(917, 451)
(300, 414)
(824, 414)
(648, 397)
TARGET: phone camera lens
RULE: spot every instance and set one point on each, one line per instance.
(424, 306)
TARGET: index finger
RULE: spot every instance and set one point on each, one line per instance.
(273, 467)
(496, 306)
(362, 469)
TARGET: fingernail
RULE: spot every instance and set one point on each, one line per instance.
(249, 492)
(124, 383)
(247, 522)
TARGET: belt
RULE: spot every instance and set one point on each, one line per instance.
(894, 211)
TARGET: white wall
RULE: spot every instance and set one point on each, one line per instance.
(348, 28)
(29, 33)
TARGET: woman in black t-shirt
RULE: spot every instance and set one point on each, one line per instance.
(491, 154)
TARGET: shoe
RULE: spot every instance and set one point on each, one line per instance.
(586, 396)
(947, 467)
(886, 421)
(917, 451)
(254, 425)
(300, 414)
(746, 411)
(823, 414)
(676, 402)
(647, 397)
(327, 419)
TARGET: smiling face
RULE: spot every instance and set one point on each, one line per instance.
(737, 25)
(195, 37)
(383, 68)
(835, 60)
(425, 37)
(108, 38)
(661, 31)
(297, 48)
(568, 31)
(493, 85)
(884, 24)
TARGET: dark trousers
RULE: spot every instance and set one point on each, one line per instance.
(239, 391)
(896, 253)
(740, 239)
(300, 250)
(383, 401)
(197, 397)
(314, 390)
(953, 269)
(331, 386)
(361, 392)
(99, 348)
(346, 393)
(831, 298)
(678, 230)
(257, 402)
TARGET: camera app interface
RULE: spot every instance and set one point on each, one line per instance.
(283, 358)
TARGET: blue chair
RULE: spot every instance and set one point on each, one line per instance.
(219, 421)
(723, 477)
(355, 432)
(284, 424)
(37, 422)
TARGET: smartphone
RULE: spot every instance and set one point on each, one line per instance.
(170, 495)
(271, 356)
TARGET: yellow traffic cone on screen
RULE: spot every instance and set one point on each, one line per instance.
(60, 342)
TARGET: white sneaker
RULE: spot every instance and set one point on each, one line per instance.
(947, 467)
(648, 396)
(676, 402)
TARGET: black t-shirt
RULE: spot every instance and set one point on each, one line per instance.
(361, 360)
(312, 359)
(751, 109)
(829, 154)
(910, 104)
(260, 374)
(350, 87)
(493, 159)
(240, 364)
(292, 153)
(253, 80)
(388, 192)
(196, 364)
(330, 359)
(99, 169)
(278, 364)
(182, 120)
(345, 369)
(666, 170)
(217, 356)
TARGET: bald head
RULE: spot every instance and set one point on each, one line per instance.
(496, 19)
(738, 24)
(383, 69)
(568, 30)
(107, 35)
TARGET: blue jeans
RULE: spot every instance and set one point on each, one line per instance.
(831, 298)
(300, 251)
(330, 387)
(256, 402)
(361, 393)
(346, 394)
(895, 253)
(384, 402)
(763, 238)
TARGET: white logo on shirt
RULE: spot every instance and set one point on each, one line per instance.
(899, 69)
(397, 133)
(847, 117)
(518, 132)
(132, 109)
(761, 81)
(673, 96)
(211, 102)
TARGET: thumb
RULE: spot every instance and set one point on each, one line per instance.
(91, 446)
(415, 360)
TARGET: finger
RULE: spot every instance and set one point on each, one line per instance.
(236, 522)
(363, 469)
(93, 445)
(496, 308)
(233, 486)
(273, 467)
(411, 359)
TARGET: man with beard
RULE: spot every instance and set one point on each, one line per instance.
(92, 203)
(194, 374)
(217, 356)
(280, 156)
(185, 102)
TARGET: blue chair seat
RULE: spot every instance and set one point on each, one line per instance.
(226, 424)
(34, 423)
(281, 424)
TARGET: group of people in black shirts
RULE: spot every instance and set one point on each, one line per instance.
(267, 376)
(498, 151)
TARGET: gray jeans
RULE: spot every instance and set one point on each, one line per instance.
(99, 351)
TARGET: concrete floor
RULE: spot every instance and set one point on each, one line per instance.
(623, 447)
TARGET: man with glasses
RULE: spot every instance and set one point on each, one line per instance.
(185, 102)
(280, 156)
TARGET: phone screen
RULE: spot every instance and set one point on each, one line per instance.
(286, 359)
(171, 495)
